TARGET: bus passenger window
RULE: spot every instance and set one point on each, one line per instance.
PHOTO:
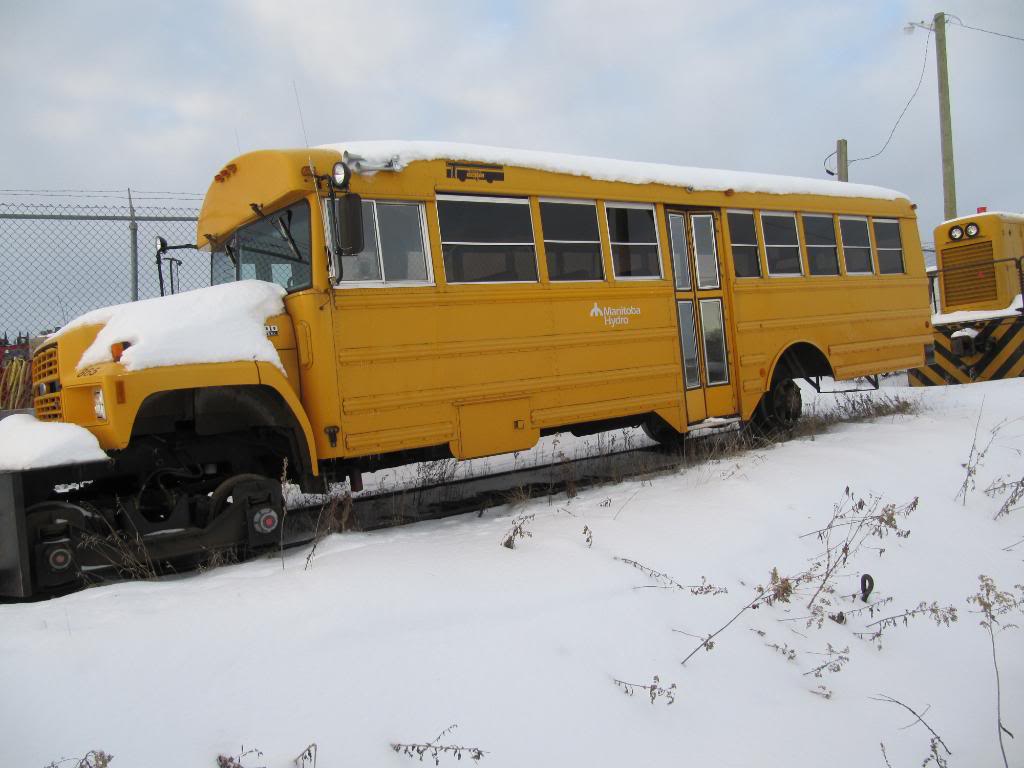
(856, 245)
(571, 240)
(822, 253)
(403, 254)
(890, 248)
(634, 240)
(364, 265)
(394, 249)
(487, 239)
(781, 243)
(743, 236)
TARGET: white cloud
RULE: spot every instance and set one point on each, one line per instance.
(122, 96)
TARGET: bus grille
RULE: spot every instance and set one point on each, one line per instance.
(46, 385)
(963, 284)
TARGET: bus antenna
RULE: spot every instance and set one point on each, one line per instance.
(298, 105)
(312, 169)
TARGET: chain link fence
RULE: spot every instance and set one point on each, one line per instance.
(60, 260)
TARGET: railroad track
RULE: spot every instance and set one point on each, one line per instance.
(387, 509)
(475, 494)
(372, 511)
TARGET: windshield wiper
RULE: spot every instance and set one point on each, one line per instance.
(286, 233)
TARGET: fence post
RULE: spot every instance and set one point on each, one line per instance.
(133, 230)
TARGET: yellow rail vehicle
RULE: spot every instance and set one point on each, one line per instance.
(447, 300)
(979, 331)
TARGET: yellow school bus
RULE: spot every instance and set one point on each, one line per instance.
(979, 326)
(452, 300)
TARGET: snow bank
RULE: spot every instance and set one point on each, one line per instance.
(220, 324)
(973, 315)
(29, 444)
(398, 154)
(394, 635)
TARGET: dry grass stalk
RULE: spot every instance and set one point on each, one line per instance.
(435, 750)
(518, 531)
(654, 689)
(994, 604)
(667, 582)
(94, 758)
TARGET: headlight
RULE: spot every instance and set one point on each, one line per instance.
(99, 405)
(971, 230)
(341, 174)
(956, 233)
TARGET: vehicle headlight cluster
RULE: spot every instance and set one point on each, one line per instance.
(956, 232)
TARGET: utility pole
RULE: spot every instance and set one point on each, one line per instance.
(133, 248)
(938, 26)
(945, 123)
(842, 160)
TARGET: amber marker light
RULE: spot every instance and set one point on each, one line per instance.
(117, 349)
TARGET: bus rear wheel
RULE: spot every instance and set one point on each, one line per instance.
(661, 432)
(779, 409)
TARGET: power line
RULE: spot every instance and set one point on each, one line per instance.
(959, 22)
(924, 65)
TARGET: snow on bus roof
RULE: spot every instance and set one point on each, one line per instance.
(397, 154)
(219, 324)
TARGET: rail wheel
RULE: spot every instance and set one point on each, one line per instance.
(256, 504)
(223, 492)
(54, 530)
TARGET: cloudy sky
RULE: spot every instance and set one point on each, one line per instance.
(107, 94)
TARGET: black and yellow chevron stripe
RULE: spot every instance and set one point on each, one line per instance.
(998, 353)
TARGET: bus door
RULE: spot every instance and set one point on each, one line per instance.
(700, 310)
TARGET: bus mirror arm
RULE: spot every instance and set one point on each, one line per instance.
(161, 250)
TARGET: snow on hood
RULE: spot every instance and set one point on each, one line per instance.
(1004, 215)
(397, 154)
(29, 444)
(219, 324)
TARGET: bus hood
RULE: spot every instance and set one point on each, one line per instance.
(219, 324)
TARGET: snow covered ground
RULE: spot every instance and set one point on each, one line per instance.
(393, 636)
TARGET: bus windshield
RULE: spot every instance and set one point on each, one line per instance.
(275, 248)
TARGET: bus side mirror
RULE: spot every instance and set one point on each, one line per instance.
(348, 224)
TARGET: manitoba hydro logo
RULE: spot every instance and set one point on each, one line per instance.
(614, 315)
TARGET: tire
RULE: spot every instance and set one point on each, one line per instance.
(661, 432)
(779, 409)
